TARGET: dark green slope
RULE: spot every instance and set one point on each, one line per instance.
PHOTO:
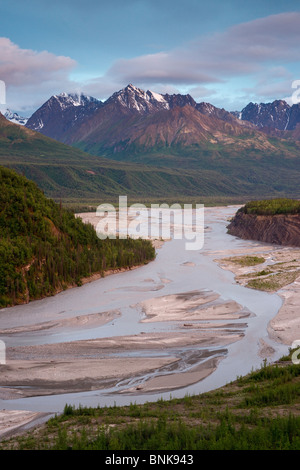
(44, 248)
(72, 176)
(226, 169)
(174, 173)
(184, 139)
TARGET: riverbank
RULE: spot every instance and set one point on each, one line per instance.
(259, 411)
(14, 421)
(271, 268)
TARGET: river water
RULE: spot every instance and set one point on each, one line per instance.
(185, 271)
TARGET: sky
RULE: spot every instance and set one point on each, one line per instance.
(225, 53)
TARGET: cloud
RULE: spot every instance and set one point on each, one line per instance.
(273, 39)
(246, 49)
(32, 72)
(201, 92)
(255, 57)
(161, 68)
(27, 67)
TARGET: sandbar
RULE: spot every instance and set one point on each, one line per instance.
(80, 321)
(178, 380)
(285, 326)
(43, 377)
(191, 306)
(12, 421)
(100, 363)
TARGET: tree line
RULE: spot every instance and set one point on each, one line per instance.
(44, 247)
(272, 207)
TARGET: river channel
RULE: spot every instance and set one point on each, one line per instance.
(175, 271)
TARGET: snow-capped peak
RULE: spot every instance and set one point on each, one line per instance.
(14, 117)
(73, 99)
(134, 89)
(135, 98)
(158, 97)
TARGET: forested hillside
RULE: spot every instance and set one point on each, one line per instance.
(44, 248)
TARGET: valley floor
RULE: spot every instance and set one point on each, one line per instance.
(67, 371)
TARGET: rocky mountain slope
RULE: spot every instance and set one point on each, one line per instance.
(64, 115)
(281, 227)
(135, 121)
(119, 117)
(62, 112)
(275, 116)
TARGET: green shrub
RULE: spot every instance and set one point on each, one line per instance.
(272, 207)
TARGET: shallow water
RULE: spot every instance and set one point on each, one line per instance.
(125, 291)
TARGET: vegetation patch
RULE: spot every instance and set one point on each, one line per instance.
(246, 260)
(274, 276)
(272, 207)
(274, 281)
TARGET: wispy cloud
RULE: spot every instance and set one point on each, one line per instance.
(27, 67)
(257, 55)
(32, 73)
(255, 48)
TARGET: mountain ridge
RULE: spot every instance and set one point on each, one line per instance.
(61, 112)
(108, 128)
(276, 118)
(123, 118)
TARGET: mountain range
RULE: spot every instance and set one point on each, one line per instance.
(60, 112)
(276, 116)
(77, 118)
(147, 144)
(129, 117)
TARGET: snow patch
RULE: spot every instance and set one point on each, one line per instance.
(158, 97)
(73, 99)
(15, 117)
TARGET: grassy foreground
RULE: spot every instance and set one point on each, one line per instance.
(258, 412)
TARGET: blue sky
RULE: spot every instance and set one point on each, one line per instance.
(226, 53)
